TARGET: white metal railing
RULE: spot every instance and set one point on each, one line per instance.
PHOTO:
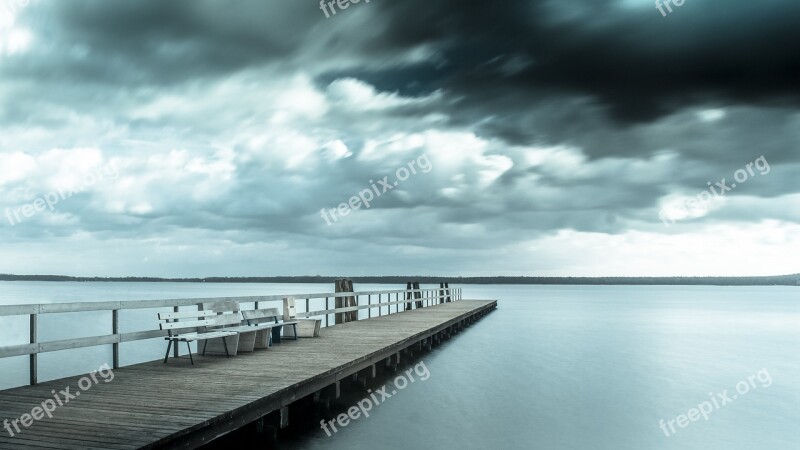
(429, 297)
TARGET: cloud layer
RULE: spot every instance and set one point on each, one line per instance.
(556, 132)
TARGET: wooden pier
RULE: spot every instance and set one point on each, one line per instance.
(177, 405)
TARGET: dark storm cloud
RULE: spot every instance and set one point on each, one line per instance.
(502, 57)
(625, 56)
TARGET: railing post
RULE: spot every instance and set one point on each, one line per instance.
(369, 303)
(34, 363)
(326, 312)
(380, 306)
(175, 350)
(115, 331)
(352, 315)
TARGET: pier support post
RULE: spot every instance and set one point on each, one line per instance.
(284, 417)
(361, 377)
(393, 364)
(345, 302)
(268, 433)
(335, 390)
(324, 396)
(322, 401)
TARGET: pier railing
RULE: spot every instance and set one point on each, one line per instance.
(382, 302)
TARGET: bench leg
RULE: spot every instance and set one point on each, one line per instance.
(205, 343)
(225, 343)
(294, 327)
(189, 347)
(169, 345)
(276, 335)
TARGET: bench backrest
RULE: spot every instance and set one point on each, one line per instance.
(261, 315)
(222, 306)
(176, 322)
(227, 312)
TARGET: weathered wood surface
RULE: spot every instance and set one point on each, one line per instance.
(153, 405)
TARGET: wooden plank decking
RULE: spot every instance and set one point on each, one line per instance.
(153, 405)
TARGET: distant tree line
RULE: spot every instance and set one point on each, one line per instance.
(782, 280)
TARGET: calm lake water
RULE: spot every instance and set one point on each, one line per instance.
(555, 367)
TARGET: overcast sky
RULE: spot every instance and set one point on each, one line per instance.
(558, 137)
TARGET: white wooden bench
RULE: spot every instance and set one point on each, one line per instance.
(250, 337)
(183, 327)
(261, 317)
(262, 332)
(305, 327)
